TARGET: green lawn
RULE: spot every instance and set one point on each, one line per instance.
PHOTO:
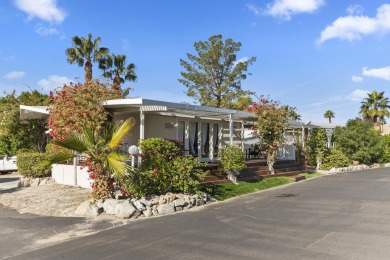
(229, 190)
(310, 175)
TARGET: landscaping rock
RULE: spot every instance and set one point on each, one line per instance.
(163, 209)
(139, 205)
(35, 182)
(125, 210)
(109, 206)
(88, 209)
(100, 203)
(180, 202)
(148, 212)
(145, 202)
(43, 182)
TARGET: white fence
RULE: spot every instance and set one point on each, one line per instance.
(64, 174)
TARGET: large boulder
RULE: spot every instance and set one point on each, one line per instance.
(109, 206)
(88, 209)
(163, 209)
(125, 210)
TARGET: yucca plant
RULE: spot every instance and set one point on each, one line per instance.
(101, 148)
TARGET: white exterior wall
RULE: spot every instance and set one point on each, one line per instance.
(160, 126)
(225, 140)
(64, 174)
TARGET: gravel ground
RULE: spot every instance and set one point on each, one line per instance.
(48, 200)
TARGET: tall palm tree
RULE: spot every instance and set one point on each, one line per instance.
(375, 106)
(104, 158)
(84, 52)
(114, 66)
(329, 114)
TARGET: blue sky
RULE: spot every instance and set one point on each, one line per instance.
(312, 54)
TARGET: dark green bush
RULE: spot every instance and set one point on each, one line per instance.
(231, 158)
(30, 164)
(164, 169)
(336, 159)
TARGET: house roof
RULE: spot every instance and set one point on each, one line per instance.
(134, 105)
(150, 106)
(176, 109)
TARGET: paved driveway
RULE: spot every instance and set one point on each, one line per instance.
(343, 216)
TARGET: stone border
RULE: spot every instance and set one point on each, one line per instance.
(149, 206)
(34, 182)
(352, 168)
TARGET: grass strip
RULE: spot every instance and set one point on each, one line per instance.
(229, 190)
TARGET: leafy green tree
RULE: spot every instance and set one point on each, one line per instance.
(102, 149)
(359, 141)
(79, 105)
(317, 147)
(272, 120)
(213, 76)
(242, 103)
(292, 113)
(329, 114)
(375, 106)
(114, 66)
(386, 149)
(84, 52)
(15, 134)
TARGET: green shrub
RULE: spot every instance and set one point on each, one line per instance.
(164, 168)
(30, 164)
(336, 159)
(231, 158)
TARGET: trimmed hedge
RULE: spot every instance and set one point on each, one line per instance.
(30, 164)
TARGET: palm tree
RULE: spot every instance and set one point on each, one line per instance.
(101, 148)
(375, 106)
(329, 114)
(84, 52)
(114, 66)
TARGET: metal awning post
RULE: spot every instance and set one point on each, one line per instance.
(231, 129)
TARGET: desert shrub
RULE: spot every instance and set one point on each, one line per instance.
(30, 164)
(336, 159)
(385, 158)
(164, 168)
(231, 158)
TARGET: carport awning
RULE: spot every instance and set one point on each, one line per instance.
(33, 112)
(177, 109)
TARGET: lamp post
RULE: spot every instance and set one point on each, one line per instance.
(133, 150)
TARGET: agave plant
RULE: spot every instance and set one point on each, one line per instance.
(101, 148)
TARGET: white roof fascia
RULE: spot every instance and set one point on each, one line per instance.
(38, 109)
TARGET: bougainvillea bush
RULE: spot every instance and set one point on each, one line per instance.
(271, 122)
(79, 105)
(165, 168)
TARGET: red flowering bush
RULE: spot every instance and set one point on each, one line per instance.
(79, 105)
(271, 122)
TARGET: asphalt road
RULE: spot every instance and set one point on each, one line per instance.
(343, 216)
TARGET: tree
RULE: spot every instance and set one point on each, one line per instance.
(359, 141)
(15, 134)
(271, 122)
(329, 115)
(242, 103)
(317, 147)
(84, 52)
(104, 158)
(375, 106)
(114, 66)
(78, 105)
(213, 76)
(292, 113)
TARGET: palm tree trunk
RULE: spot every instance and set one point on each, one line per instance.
(88, 71)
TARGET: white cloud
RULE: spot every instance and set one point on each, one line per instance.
(358, 95)
(14, 75)
(381, 73)
(286, 8)
(53, 81)
(44, 31)
(46, 10)
(353, 27)
(357, 79)
(355, 10)
(243, 59)
(254, 9)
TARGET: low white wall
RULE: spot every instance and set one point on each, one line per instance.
(64, 174)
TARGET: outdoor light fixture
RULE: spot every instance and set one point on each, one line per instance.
(133, 150)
